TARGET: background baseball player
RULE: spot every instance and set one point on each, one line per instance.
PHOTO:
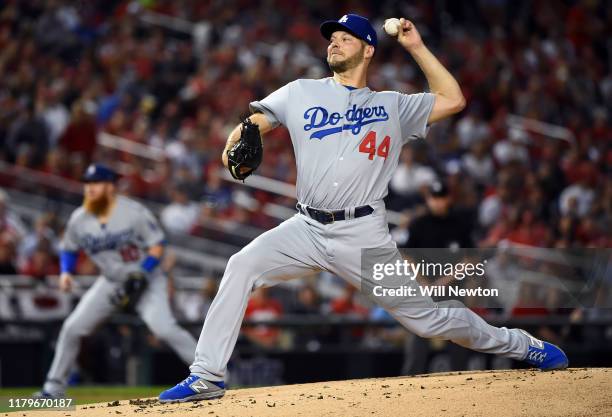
(124, 240)
(347, 141)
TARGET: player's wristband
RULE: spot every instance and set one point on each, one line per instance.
(68, 261)
(149, 264)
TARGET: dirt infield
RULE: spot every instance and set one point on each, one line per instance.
(575, 392)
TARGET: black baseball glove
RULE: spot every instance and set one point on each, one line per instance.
(245, 156)
(127, 296)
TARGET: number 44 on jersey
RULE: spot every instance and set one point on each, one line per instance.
(368, 145)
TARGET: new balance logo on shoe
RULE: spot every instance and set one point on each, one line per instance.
(199, 386)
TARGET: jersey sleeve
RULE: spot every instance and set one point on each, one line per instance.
(413, 111)
(274, 106)
(149, 229)
(70, 241)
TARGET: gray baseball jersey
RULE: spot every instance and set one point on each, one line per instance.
(346, 142)
(120, 245)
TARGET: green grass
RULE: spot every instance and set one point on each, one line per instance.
(85, 395)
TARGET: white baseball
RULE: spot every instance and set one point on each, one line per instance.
(392, 26)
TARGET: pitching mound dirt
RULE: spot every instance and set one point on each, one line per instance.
(574, 392)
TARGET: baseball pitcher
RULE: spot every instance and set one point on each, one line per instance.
(347, 140)
(126, 243)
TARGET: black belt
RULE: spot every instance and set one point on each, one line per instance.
(330, 216)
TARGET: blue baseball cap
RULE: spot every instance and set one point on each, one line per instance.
(99, 173)
(354, 24)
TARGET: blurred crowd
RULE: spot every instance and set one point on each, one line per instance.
(71, 70)
(33, 250)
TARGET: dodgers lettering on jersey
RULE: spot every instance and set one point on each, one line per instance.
(319, 117)
(110, 241)
(119, 246)
(346, 142)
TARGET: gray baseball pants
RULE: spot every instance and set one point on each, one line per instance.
(95, 307)
(301, 246)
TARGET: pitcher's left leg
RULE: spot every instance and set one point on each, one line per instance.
(452, 320)
(422, 316)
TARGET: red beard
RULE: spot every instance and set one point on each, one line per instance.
(97, 207)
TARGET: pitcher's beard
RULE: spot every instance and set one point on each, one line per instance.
(97, 207)
(347, 64)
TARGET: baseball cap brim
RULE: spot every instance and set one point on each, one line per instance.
(104, 176)
(330, 26)
(438, 194)
(89, 179)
